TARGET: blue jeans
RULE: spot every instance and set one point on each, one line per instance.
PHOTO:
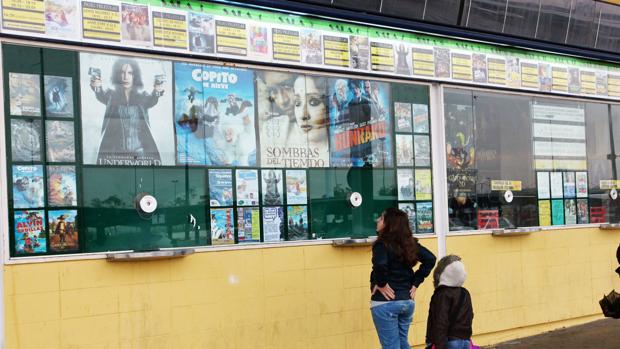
(458, 344)
(392, 321)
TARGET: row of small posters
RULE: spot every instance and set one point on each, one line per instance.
(295, 41)
(274, 185)
(563, 198)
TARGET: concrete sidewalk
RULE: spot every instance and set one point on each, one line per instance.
(598, 334)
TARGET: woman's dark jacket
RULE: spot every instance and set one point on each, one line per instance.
(387, 269)
(445, 322)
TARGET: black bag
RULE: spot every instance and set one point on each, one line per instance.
(610, 304)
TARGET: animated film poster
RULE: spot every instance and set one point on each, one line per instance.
(247, 187)
(293, 119)
(296, 187)
(30, 235)
(424, 217)
(201, 29)
(582, 211)
(62, 19)
(222, 226)
(28, 186)
(402, 113)
(26, 140)
(220, 188)
(24, 94)
(404, 150)
(297, 217)
(311, 46)
(582, 184)
(58, 96)
(409, 209)
(272, 184)
(423, 185)
(359, 52)
(63, 230)
(404, 180)
(60, 140)
(360, 123)
(273, 224)
(61, 186)
(422, 150)
(248, 224)
(259, 42)
(126, 108)
(570, 212)
(136, 25)
(420, 118)
(214, 115)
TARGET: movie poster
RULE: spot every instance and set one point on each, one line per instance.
(58, 96)
(296, 187)
(25, 140)
(360, 123)
(258, 42)
(63, 230)
(556, 185)
(297, 222)
(30, 236)
(24, 94)
(272, 187)
(61, 19)
(247, 187)
(544, 191)
(513, 74)
(460, 145)
(220, 188)
(582, 184)
(201, 29)
(60, 140)
(409, 209)
(442, 63)
(273, 224)
(601, 83)
(570, 212)
(557, 212)
(248, 224)
(569, 184)
(311, 47)
(423, 185)
(424, 216)
(28, 186)
(574, 85)
(545, 77)
(404, 150)
(402, 112)
(214, 115)
(544, 213)
(422, 153)
(61, 186)
(404, 180)
(402, 55)
(359, 52)
(119, 130)
(479, 67)
(222, 226)
(135, 25)
(582, 211)
(292, 119)
(461, 182)
(420, 118)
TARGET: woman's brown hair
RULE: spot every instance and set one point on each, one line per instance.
(397, 236)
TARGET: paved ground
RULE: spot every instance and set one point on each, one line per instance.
(601, 334)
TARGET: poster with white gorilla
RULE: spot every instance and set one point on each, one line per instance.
(214, 115)
(126, 107)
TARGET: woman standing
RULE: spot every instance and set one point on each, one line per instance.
(393, 281)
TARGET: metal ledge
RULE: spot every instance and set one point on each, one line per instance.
(148, 255)
(610, 226)
(515, 232)
(353, 242)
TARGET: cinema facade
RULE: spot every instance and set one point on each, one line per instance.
(203, 175)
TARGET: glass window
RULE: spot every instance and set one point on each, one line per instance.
(582, 28)
(412, 9)
(486, 15)
(443, 11)
(553, 20)
(366, 5)
(522, 17)
(608, 20)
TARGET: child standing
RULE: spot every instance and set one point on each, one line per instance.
(451, 312)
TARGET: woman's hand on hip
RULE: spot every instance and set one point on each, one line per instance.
(386, 291)
(412, 292)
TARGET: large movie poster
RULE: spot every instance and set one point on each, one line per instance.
(360, 124)
(214, 115)
(293, 119)
(30, 232)
(63, 230)
(28, 187)
(126, 111)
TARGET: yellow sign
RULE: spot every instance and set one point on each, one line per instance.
(501, 185)
(609, 184)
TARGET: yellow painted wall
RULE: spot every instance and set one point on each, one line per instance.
(297, 297)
